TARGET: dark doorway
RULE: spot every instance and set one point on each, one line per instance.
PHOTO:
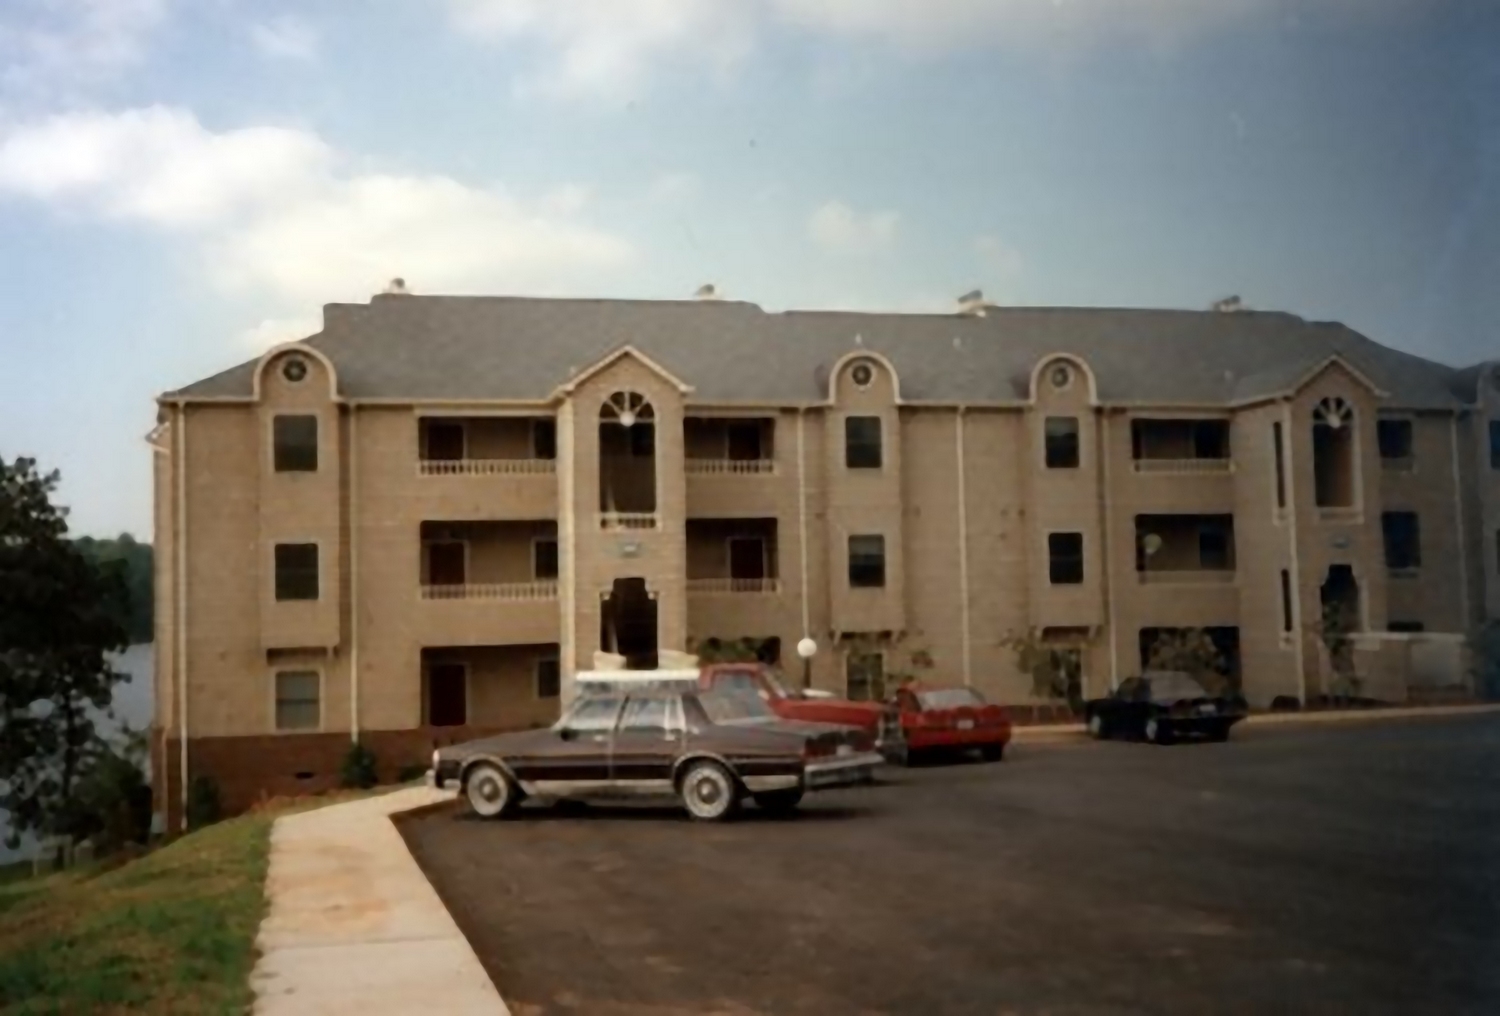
(747, 558)
(1340, 617)
(627, 624)
(447, 694)
(447, 564)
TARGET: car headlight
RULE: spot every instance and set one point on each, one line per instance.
(435, 758)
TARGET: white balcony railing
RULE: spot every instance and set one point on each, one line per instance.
(1178, 466)
(1187, 577)
(727, 586)
(486, 467)
(542, 589)
(731, 467)
(627, 520)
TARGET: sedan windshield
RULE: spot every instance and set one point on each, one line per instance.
(728, 707)
(950, 698)
(1175, 688)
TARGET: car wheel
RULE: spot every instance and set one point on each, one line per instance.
(1097, 730)
(1219, 733)
(992, 752)
(490, 792)
(1158, 732)
(709, 792)
(779, 802)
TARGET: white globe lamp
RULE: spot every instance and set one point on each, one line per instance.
(807, 649)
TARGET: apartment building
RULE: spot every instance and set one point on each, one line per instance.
(415, 525)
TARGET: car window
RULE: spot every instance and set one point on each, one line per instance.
(1130, 689)
(738, 682)
(592, 714)
(731, 707)
(650, 714)
(949, 698)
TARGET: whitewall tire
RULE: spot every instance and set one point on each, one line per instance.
(708, 792)
(489, 791)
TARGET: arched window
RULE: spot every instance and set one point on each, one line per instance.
(627, 455)
(1333, 453)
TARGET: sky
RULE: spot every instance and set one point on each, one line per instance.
(184, 184)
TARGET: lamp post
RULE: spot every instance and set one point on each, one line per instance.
(807, 649)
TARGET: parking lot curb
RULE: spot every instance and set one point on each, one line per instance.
(1042, 733)
(354, 926)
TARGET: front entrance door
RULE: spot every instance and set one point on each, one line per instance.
(447, 694)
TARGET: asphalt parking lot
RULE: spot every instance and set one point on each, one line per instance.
(1349, 868)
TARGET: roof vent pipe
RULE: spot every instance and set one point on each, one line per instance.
(973, 303)
(1228, 305)
(397, 287)
(706, 292)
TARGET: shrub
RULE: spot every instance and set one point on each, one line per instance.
(203, 806)
(408, 773)
(359, 772)
(112, 805)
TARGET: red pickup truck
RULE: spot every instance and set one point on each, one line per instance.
(882, 720)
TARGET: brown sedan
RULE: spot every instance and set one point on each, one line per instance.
(710, 749)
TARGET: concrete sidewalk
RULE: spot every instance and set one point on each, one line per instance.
(354, 927)
(1068, 731)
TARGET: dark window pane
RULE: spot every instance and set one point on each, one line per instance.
(1213, 547)
(544, 439)
(1062, 442)
(642, 440)
(744, 440)
(447, 695)
(445, 440)
(1403, 544)
(864, 677)
(862, 442)
(747, 559)
(1394, 437)
(297, 706)
(1495, 444)
(447, 564)
(1286, 600)
(1211, 439)
(866, 561)
(1065, 558)
(1276, 441)
(548, 678)
(295, 441)
(544, 559)
(296, 571)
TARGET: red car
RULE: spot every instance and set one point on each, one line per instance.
(951, 719)
(878, 718)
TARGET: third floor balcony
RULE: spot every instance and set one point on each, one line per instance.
(1180, 447)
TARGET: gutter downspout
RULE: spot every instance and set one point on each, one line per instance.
(180, 458)
(963, 547)
(1291, 522)
(1106, 452)
(1458, 526)
(802, 521)
(353, 576)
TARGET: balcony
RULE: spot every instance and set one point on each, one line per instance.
(722, 587)
(1339, 514)
(503, 591)
(1195, 467)
(486, 467)
(620, 521)
(1172, 447)
(730, 467)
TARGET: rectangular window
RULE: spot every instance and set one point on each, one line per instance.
(447, 695)
(1061, 442)
(862, 442)
(1394, 438)
(867, 562)
(297, 705)
(295, 444)
(1403, 542)
(1495, 444)
(1286, 600)
(864, 677)
(1276, 442)
(544, 559)
(548, 677)
(742, 438)
(544, 439)
(1065, 558)
(1410, 627)
(296, 571)
(447, 440)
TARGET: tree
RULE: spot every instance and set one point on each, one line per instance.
(60, 614)
(1335, 627)
(1053, 669)
(133, 559)
(1190, 651)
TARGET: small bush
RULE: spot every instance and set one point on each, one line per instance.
(112, 805)
(203, 806)
(408, 773)
(359, 772)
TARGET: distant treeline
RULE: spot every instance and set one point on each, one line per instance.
(133, 560)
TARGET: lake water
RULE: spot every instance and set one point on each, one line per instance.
(132, 707)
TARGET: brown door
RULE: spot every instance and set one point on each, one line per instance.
(747, 559)
(447, 695)
(446, 564)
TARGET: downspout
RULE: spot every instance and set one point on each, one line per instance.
(963, 547)
(1105, 454)
(180, 457)
(1458, 527)
(802, 521)
(353, 575)
(1289, 467)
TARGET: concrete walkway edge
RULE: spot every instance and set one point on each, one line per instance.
(1062, 731)
(354, 926)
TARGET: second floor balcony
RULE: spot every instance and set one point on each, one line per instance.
(488, 583)
(1184, 549)
(1175, 447)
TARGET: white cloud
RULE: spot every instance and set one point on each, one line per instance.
(606, 47)
(277, 219)
(52, 44)
(837, 227)
(287, 37)
(274, 331)
(1001, 261)
(674, 188)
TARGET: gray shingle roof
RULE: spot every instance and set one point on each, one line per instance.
(424, 347)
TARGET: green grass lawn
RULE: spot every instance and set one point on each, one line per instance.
(170, 932)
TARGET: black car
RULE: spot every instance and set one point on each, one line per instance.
(709, 749)
(1161, 707)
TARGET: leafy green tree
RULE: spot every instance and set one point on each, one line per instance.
(133, 560)
(1191, 651)
(59, 618)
